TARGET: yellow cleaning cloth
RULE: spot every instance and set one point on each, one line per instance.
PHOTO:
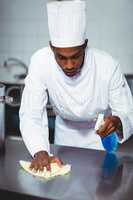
(55, 170)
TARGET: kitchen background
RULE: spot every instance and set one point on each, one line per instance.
(23, 30)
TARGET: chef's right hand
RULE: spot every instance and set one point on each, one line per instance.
(42, 159)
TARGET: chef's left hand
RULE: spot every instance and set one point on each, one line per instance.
(111, 124)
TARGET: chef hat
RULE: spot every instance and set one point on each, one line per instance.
(67, 22)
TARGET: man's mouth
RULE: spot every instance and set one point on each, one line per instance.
(71, 73)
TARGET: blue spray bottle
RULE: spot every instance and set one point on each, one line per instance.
(110, 142)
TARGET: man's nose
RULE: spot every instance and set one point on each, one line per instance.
(69, 64)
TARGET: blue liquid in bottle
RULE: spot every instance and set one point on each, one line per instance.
(110, 142)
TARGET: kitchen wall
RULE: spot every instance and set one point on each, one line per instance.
(23, 29)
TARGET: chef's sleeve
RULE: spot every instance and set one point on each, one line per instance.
(33, 115)
(121, 102)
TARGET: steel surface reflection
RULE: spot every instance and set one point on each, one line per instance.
(111, 176)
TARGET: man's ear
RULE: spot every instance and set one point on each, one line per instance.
(50, 44)
(52, 47)
(86, 42)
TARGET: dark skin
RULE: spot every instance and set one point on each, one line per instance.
(71, 61)
(42, 159)
(111, 124)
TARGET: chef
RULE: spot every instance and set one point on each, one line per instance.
(81, 82)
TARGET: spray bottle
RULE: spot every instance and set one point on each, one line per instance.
(110, 142)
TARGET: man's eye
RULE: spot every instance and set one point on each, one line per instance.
(76, 57)
(61, 57)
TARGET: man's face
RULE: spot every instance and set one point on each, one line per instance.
(70, 59)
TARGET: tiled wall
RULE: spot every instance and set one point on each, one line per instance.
(23, 28)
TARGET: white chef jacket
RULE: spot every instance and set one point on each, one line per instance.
(76, 100)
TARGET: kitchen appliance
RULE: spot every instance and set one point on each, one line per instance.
(13, 91)
(129, 78)
(12, 74)
(3, 100)
(2, 118)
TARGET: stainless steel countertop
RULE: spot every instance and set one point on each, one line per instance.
(94, 176)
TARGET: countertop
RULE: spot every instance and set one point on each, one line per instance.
(95, 175)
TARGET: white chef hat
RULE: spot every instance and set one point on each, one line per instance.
(67, 22)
